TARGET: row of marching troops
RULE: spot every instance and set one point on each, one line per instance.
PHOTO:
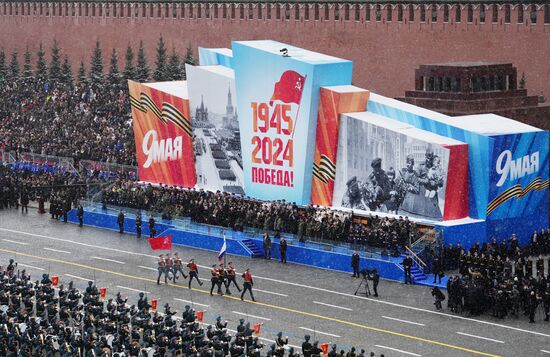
(221, 275)
(40, 319)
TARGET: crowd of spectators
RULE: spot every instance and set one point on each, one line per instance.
(39, 319)
(19, 186)
(502, 278)
(237, 212)
(85, 121)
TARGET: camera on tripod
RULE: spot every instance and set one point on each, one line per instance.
(368, 273)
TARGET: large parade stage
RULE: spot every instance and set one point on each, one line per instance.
(275, 122)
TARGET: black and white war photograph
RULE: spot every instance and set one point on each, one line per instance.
(382, 169)
(215, 122)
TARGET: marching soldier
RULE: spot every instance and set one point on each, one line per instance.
(193, 272)
(162, 270)
(215, 280)
(230, 274)
(178, 267)
(169, 265)
(248, 283)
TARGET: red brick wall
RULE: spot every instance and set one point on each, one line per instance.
(385, 53)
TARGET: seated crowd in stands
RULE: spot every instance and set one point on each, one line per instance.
(500, 278)
(38, 319)
(87, 121)
(237, 212)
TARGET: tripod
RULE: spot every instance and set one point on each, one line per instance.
(365, 281)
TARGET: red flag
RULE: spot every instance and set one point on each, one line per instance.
(324, 348)
(161, 243)
(154, 304)
(102, 292)
(289, 88)
(200, 315)
(55, 280)
(257, 328)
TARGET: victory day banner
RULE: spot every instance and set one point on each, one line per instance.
(519, 176)
(278, 91)
(163, 135)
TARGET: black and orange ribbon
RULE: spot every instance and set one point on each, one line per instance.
(166, 114)
(516, 191)
(325, 170)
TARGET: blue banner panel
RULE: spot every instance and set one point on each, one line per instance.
(519, 176)
(278, 93)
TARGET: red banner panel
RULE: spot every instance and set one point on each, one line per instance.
(332, 102)
(163, 135)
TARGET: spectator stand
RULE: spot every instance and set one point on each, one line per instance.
(246, 243)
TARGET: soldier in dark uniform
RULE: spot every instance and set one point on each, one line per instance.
(80, 215)
(282, 249)
(162, 270)
(281, 343)
(307, 347)
(230, 274)
(375, 281)
(120, 221)
(24, 197)
(66, 209)
(407, 265)
(193, 272)
(355, 264)
(138, 224)
(248, 283)
(152, 230)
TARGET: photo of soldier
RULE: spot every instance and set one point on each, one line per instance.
(392, 173)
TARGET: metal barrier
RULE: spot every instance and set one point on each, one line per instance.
(66, 163)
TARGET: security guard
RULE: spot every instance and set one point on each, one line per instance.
(152, 230)
(138, 224)
(120, 221)
(80, 215)
(375, 281)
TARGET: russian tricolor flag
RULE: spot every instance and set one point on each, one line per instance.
(222, 250)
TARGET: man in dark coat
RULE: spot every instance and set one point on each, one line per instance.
(407, 265)
(355, 264)
(80, 215)
(120, 221)
(282, 249)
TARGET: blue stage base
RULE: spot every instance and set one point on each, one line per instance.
(308, 253)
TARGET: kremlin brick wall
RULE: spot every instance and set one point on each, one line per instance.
(386, 42)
